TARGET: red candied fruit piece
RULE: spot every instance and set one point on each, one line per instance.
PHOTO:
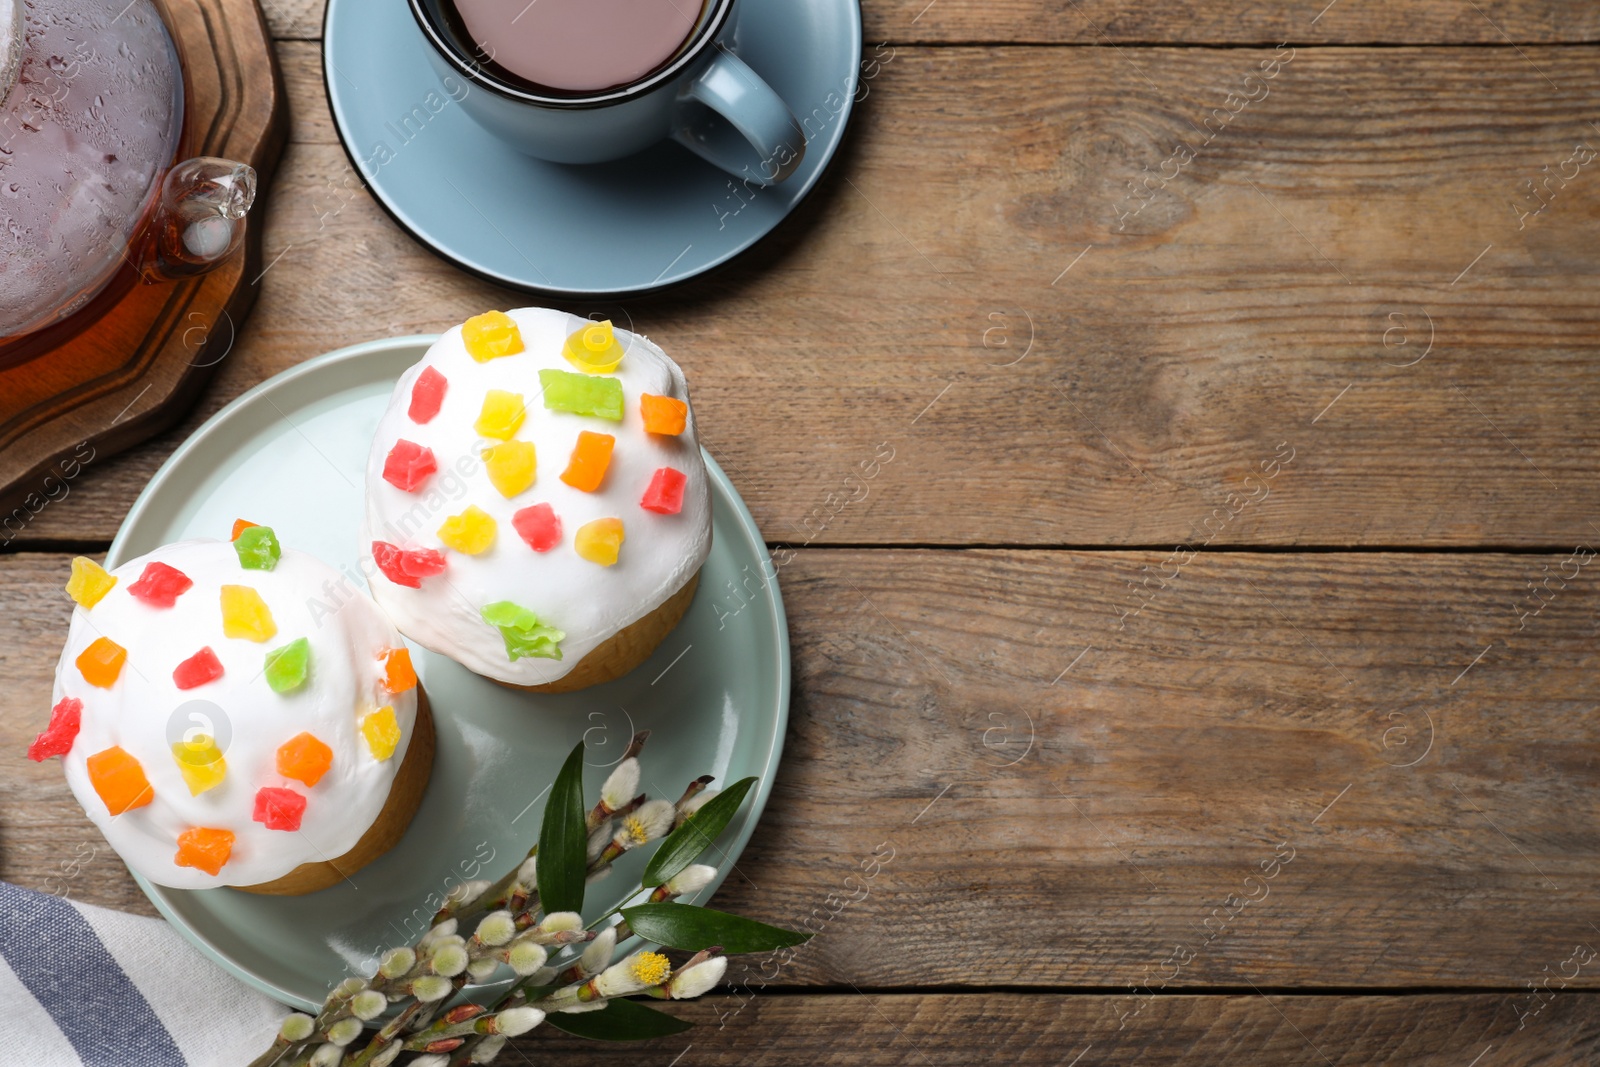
(539, 526)
(409, 465)
(665, 493)
(427, 395)
(279, 809)
(407, 568)
(197, 670)
(160, 586)
(56, 739)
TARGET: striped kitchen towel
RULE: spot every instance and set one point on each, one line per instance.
(85, 987)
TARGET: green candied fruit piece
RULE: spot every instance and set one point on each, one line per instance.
(258, 548)
(288, 666)
(582, 394)
(524, 634)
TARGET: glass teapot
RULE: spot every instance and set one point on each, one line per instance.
(91, 125)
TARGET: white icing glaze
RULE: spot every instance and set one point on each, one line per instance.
(144, 712)
(588, 602)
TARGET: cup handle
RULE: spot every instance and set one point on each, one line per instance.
(731, 118)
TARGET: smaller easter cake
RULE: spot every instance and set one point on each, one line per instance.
(223, 726)
(537, 506)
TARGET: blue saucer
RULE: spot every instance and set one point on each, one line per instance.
(606, 230)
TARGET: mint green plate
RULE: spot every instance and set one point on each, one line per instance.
(292, 453)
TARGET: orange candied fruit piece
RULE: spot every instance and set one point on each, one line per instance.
(304, 758)
(240, 526)
(119, 780)
(591, 456)
(666, 415)
(101, 663)
(399, 674)
(204, 849)
(491, 335)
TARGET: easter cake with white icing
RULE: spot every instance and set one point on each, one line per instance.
(223, 728)
(537, 506)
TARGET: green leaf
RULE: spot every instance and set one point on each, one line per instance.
(564, 840)
(692, 929)
(621, 1020)
(684, 845)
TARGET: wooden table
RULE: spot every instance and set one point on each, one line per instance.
(1207, 672)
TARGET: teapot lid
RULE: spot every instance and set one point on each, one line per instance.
(10, 44)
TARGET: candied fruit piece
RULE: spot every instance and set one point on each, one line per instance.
(56, 739)
(258, 548)
(279, 809)
(524, 634)
(594, 349)
(511, 466)
(599, 541)
(197, 670)
(288, 666)
(240, 526)
(200, 762)
(470, 532)
(665, 415)
(119, 780)
(409, 465)
(539, 526)
(664, 495)
(101, 663)
(160, 586)
(502, 414)
(398, 673)
(407, 567)
(246, 615)
(382, 733)
(566, 390)
(590, 458)
(204, 848)
(427, 395)
(304, 758)
(491, 335)
(89, 582)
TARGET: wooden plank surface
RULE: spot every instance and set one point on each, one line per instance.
(1304, 770)
(1269, 298)
(1091, 22)
(931, 1030)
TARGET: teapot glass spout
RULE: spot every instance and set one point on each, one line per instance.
(199, 218)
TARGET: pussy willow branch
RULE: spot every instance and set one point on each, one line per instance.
(458, 1032)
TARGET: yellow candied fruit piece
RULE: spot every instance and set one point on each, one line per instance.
(246, 615)
(491, 335)
(470, 532)
(89, 582)
(200, 762)
(502, 415)
(511, 466)
(382, 733)
(599, 541)
(594, 349)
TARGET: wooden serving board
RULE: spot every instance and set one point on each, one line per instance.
(138, 368)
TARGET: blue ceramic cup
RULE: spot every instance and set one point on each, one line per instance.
(706, 98)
